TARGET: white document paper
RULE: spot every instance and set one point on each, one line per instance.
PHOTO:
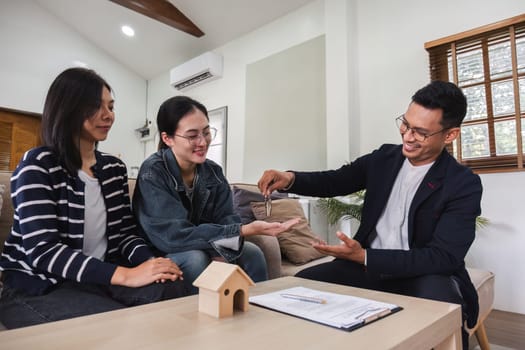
(336, 310)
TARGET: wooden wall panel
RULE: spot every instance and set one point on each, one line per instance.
(6, 131)
(19, 132)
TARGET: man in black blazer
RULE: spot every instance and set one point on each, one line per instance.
(419, 212)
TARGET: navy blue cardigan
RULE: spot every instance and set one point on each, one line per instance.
(45, 243)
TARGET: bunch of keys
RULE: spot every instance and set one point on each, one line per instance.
(268, 205)
(268, 202)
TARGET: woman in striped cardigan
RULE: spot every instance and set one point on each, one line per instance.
(72, 250)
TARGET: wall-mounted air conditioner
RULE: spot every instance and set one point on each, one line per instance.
(198, 70)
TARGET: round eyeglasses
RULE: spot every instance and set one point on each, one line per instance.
(418, 134)
(195, 139)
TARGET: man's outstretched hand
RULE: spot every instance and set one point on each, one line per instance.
(349, 249)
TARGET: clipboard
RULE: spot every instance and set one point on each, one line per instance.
(339, 311)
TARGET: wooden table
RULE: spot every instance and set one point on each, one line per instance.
(177, 324)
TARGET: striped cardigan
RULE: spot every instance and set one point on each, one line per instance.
(45, 243)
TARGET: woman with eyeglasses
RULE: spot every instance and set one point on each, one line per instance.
(183, 201)
(73, 249)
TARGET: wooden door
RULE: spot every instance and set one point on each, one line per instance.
(19, 132)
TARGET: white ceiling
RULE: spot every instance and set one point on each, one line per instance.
(156, 47)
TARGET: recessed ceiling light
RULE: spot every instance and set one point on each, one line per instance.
(77, 63)
(128, 30)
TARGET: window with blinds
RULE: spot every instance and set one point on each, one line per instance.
(488, 64)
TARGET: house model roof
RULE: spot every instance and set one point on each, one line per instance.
(217, 274)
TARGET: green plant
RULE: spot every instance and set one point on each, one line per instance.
(482, 222)
(350, 206)
(346, 207)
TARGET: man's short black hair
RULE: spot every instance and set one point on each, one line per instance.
(445, 96)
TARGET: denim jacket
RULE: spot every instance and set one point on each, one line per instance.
(171, 221)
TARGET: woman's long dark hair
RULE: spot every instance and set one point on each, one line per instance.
(172, 111)
(74, 96)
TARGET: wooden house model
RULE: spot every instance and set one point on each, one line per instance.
(222, 288)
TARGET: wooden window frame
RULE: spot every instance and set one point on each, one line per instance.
(441, 50)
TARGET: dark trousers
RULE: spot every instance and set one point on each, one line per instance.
(435, 287)
(72, 299)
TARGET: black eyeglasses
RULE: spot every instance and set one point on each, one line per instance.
(194, 139)
(419, 135)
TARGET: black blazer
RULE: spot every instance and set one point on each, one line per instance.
(442, 216)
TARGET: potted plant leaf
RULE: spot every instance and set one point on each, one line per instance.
(350, 206)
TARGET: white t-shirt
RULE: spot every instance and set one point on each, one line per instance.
(392, 227)
(95, 217)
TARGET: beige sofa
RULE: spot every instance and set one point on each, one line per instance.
(6, 214)
(6, 208)
(277, 264)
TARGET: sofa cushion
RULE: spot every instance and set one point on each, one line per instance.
(243, 195)
(483, 280)
(272, 253)
(295, 244)
(131, 188)
(289, 269)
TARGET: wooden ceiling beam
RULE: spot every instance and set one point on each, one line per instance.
(163, 11)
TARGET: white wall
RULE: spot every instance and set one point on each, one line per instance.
(499, 247)
(295, 28)
(392, 66)
(285, 113)
(36, 47)
(342, 135)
